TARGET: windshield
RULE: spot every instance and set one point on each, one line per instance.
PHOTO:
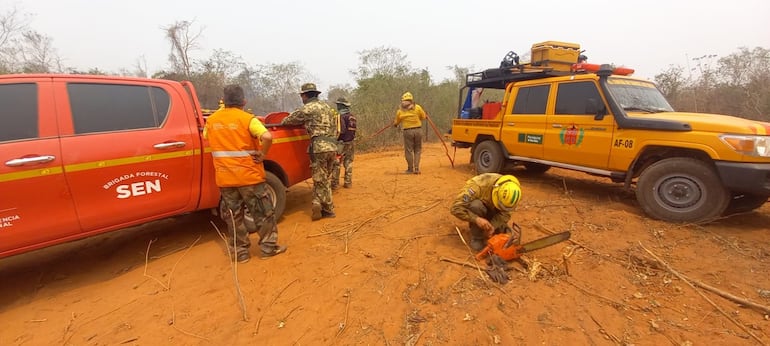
(634, 95)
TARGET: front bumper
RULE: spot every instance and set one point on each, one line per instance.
(742, 177)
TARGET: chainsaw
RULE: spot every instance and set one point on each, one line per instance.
(503, 245)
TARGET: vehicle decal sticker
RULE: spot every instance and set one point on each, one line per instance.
(623, 143)
(125, 189)
(571, 136)
(290, 139)
(31, 173)
(7, 221)
(530, 138)
(38, 172)
(127, 160)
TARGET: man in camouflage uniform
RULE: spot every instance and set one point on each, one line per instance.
(346, 149)
(486, 202)
(321, 123)
(239, 143)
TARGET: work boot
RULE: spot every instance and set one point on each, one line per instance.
(243, 257)
(279, 249)
(335, 186)
(347, 185)
(328, 214)
(409, 171)
(316, 213)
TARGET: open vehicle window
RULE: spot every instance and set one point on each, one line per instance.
(115, 107)
(19, 116)
(572, 97)
(531, 100)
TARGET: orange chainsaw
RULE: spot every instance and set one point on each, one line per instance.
(503, 245)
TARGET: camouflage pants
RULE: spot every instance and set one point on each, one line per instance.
(260, 204)
(347, 152)
(322, 167)
(413, 148)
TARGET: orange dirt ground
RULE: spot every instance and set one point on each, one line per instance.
(374, 274)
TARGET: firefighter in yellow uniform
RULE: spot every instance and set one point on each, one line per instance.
(410, 115)
(486, 202)
(240, 173)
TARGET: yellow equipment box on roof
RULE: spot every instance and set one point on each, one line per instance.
(558, 55)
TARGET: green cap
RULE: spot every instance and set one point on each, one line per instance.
(343, 101)
(308, 87)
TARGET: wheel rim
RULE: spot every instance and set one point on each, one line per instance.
(271, 192)
(681, 194)
(485, 158)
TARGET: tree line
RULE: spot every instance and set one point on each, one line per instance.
(737, 84)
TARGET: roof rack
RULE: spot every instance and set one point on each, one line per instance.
(498, 78)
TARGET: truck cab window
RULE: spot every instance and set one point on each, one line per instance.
(572, 98)
(115, 107)
(19, 115)
(531, 100)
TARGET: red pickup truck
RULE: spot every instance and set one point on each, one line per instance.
(83, 155)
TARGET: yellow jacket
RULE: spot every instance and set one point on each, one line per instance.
(478, 188)
(411, 117)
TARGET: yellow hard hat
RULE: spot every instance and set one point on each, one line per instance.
(407, 96)
(506, 193)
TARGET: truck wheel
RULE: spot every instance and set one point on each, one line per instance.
(681, 190)
(277, 192)
(745, 203)
(488, 157)
(537, 168)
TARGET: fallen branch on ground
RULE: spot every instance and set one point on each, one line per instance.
(689, 283)
(256, 328)
(146, 260)
(180, 259)
(233, 266)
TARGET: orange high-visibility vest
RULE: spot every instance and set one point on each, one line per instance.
(231, 148)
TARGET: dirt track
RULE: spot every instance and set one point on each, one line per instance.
(375, 276)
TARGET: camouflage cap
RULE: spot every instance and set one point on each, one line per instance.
(308, 87)
(343, 101)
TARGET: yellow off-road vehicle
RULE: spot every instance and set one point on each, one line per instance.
(687, 167)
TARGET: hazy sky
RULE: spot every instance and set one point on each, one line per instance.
(325, 36)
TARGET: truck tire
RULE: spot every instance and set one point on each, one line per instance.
(277, 191)
(745, 203)
(537, 168)
(488, 157)
(681, 189)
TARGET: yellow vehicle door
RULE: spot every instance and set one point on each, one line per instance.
(574, 135)
(523, 127)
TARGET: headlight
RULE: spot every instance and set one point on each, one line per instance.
(748, 145)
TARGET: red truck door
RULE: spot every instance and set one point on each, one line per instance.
(35, 203)
(129, 148)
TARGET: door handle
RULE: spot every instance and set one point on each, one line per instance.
(170, 145)
(29, 160)
(556, 126)
(510, 124)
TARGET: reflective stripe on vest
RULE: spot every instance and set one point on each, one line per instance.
(237, 153)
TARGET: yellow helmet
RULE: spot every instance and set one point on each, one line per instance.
(407, 96)
(506, 193)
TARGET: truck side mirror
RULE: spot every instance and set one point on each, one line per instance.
(594, 107)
